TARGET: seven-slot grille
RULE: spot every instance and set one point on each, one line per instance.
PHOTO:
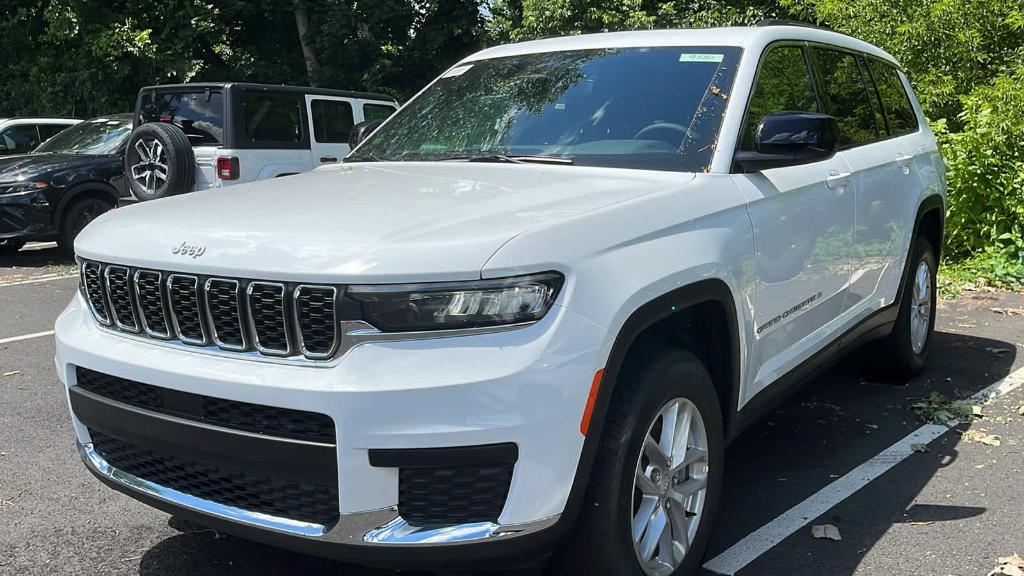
(272, 318)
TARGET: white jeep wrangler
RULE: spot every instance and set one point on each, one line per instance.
(528, 313)
(208, 135)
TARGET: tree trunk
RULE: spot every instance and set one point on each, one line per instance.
(302, 25)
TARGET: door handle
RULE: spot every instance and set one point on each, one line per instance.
(904, 161)
(328, 158)
(838, 180)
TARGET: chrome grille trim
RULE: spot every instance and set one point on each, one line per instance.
(140, 298)
(236, 322)
(258, 324)
(176, 303)
(290, 323)
(332, 320)
(118, 289)
(94, 293)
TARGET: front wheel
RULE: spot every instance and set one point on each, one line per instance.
(76, 218)
(657, 478)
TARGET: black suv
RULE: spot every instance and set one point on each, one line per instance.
(65, 183)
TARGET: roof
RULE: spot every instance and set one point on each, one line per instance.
(40, 119)
(274, 87)
(742, 36)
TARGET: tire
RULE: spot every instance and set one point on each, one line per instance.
(76, 217)
(11, 245)
(159, 162)
(905, 352)
(603, 540)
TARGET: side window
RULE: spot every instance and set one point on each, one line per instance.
(332, 120)
(47, 131)
(895, 102)
(19, 139)
(269, 118)
(876, 102)
(845, 95)
(377, 111)
(783, 84)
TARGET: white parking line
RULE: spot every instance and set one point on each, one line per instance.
(25, 337)
(766, 537)
(40, 279)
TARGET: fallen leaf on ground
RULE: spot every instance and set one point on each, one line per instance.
(919, 447)
(997, 351)
(12, 373)
(1020, 409)
(920, 523)
(1008, 311)
(937, 409)
(1009, 566)
(826, 531)
(979, 436)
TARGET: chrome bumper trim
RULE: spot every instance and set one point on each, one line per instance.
(97, 463)
(374, 528)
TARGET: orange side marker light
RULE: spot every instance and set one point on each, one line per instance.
(591, 400)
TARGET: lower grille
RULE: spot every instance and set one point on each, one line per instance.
(303, 501)
(268, 420)
(453, 495)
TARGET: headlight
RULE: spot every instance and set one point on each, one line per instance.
(457, 305)
(14, 187)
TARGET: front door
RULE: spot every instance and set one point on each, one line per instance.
(331, 120)
(802, 218)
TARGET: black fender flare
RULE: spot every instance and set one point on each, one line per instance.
(650, 313)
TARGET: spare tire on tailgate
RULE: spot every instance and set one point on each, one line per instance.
(159, 161)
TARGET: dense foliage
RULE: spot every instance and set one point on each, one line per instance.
(86, 57)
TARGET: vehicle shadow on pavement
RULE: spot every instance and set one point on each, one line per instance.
(833, 424)
(31, 257)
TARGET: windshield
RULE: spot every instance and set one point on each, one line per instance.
(650, 108)
(97, 136)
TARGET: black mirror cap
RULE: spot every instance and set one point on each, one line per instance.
(790, 139)
(361, 131)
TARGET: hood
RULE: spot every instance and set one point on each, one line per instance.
(360, 222)
(30, 166)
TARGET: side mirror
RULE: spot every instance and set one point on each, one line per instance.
(790, 139)
(361, 131)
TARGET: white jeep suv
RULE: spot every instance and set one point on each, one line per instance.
(214, 134)
(527, 313)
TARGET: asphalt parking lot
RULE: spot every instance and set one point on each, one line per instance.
(838, 452)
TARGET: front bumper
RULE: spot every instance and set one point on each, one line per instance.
(526, 387)
(25, 215)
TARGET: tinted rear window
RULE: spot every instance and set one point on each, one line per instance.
(270, 118)
(199, 114)
(377, 111)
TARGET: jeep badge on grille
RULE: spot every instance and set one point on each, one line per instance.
(186, 249)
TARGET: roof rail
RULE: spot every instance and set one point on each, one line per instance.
(781, 22)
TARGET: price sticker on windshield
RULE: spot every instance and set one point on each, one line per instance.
(708, 58)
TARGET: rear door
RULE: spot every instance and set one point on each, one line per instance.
(892, 188)
(848, 92)
(331, 119)
(802, 219)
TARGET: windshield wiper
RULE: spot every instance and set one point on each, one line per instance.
(364, 158)
(513, 159)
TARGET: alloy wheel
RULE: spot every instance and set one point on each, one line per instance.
(920, 307)
(151, 169)
(669, 487)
